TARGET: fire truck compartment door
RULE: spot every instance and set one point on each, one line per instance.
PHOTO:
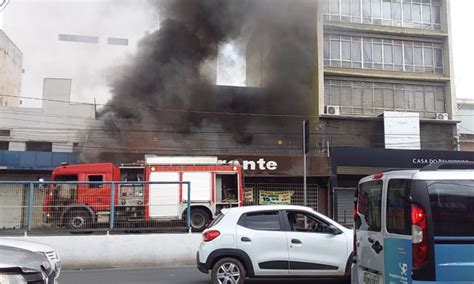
(200, 186)
(164, 198)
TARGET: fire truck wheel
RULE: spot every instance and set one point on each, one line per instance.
(199, 219)
(78, 220)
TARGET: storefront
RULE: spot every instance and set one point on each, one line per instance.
(279, 180)
(349, 165)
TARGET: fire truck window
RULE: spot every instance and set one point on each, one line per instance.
(96, 179)
(229, 188)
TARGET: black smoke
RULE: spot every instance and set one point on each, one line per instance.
(166, 95)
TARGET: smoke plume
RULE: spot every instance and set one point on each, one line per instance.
(165, 100)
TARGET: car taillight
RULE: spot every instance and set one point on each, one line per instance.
(211, 235)
(354, 243)
(419, 235)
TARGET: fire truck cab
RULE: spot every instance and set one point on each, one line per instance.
(76, 206)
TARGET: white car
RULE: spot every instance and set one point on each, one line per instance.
(49, 252)
(274, 241)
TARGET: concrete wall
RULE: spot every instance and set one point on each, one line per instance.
(117, 251)
(11, 62)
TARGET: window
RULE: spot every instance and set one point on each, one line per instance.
(4, 145)
(5, 132)
(369, 206)
(370, 98)
(399, 207)
(39, 146)
(401, 13)
(302, 222)
(96, 178)
(452, 204)
(382, 54)
(78, 38)
(263, 221)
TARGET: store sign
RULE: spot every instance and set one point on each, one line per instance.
(274, 197)
(257, 164)
(424, 161)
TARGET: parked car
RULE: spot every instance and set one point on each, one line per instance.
(19, 266)
(415, 226)
(274, 241)
(49, 252)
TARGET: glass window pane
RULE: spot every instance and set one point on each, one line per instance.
(369, 206)
(387, 10)
(376, 8)
(407, 13)
(398, 55)
(388, 54)
(356, 8)
(428, 56)
(326, 48)
(416, 12)
(399, 207)
(436, 15)
(356, 51)
(346, 50)
(377, 53)
(452, 204)
(334, 7)
(266, 221)
(409, 54)
(335, 49)
(418, 56)
(426, 14)
(346, 7)
(438, 57)
(368, 53)
(366, 8)
(396, 11)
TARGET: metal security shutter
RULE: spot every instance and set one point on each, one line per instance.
(344, 205)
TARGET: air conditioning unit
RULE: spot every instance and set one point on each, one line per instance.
(442, 116)
(332, 110)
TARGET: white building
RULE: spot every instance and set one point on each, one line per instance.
(11, 61)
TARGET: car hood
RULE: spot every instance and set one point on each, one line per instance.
(26, 245)
(11, 257)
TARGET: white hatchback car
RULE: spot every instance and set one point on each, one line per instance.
(274, 241)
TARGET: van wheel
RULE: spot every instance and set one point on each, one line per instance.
(227, 271)
(199, 220)
(78, 220)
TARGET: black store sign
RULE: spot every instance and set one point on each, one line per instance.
(373, 157)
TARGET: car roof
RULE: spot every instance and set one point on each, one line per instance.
(247, 209)
(441, 174)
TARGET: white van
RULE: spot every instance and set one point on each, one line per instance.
(415, 226)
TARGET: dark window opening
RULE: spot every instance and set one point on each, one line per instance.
(39, 146)
(4, 145)
(5, 132)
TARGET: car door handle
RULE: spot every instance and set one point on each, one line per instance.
(245, 239)
(296, 242)
(377, 247)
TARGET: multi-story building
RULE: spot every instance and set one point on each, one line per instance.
(376, 58)
(465, 115)
(11, 66)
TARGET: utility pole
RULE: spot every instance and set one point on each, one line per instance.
(305, 153)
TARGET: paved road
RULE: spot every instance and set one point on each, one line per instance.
(157, 275)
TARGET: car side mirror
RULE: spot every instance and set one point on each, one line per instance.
(333, 230)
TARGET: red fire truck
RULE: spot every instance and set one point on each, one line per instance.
(79, 206)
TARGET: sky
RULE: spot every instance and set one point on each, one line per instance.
(462, 44)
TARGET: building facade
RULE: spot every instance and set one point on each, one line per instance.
(11, 66)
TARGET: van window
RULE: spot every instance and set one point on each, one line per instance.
(369, 206)
(399, 207)
(452, 207)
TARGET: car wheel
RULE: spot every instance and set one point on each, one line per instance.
(199, 220)
(228, 271)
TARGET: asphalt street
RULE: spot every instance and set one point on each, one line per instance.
(159, 275)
